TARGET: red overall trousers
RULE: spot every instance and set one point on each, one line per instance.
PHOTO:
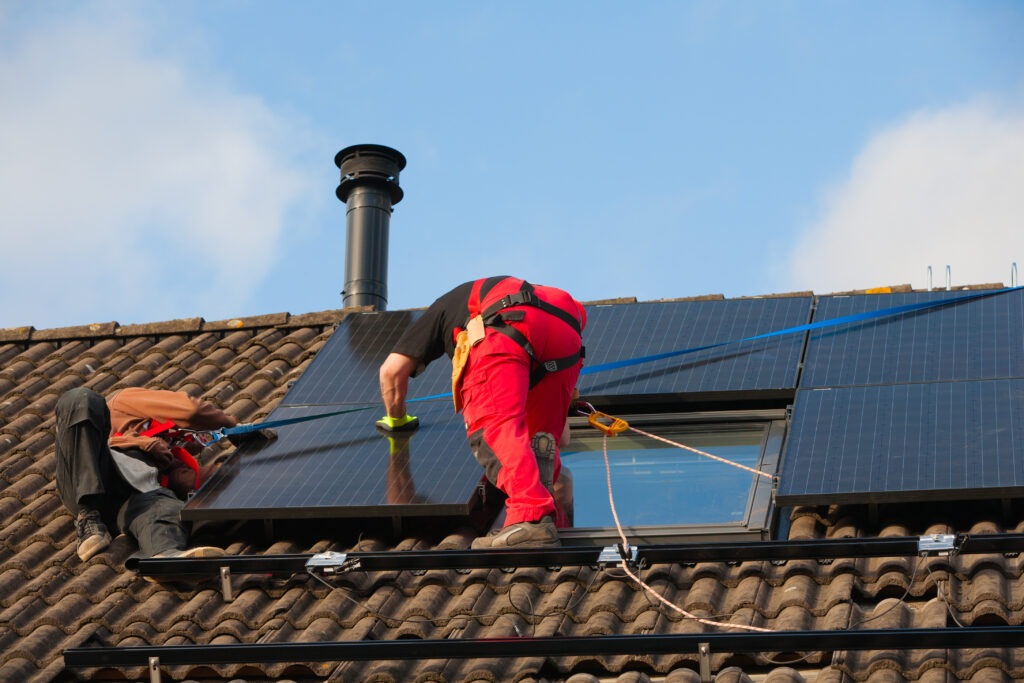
(502, 413)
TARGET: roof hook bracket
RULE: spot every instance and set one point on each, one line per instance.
(225, 584)
(940, 545)
(704, 655)
(331, 563)
(154, 670)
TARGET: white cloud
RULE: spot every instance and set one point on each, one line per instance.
(131, 187)
(942, 188)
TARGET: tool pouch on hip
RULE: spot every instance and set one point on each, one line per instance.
(466, 339)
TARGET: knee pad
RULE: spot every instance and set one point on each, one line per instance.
(485, 455)
(544, 445)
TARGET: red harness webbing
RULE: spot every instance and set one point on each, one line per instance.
(154, 430)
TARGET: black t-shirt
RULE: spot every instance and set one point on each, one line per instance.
(433, 333)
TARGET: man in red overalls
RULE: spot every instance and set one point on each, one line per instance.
(516, 354)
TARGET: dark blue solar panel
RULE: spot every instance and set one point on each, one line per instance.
(621, 331)
(905, 442)
(346, 369)
(977, 339)
(342, 467)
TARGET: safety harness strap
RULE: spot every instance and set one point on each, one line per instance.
(497, 318)
(526, 297)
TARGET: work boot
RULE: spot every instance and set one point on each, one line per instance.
(539, 534)
(93, 536)
(485, 540)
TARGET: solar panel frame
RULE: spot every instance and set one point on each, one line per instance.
(976, 339)
(342, 467)
(905, 443)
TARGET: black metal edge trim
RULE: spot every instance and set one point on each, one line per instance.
(775, 641)
(818, 549)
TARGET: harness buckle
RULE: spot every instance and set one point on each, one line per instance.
(551, 365)
(611, 427)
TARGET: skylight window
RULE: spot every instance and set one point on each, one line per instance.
(666, 493)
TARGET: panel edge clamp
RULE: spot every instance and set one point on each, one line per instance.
(942, 545)
(611, 555)
(331, 563)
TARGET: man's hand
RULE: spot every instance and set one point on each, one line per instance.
(265, 435)
(407, 423)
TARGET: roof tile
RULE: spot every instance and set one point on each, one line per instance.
(77, 332)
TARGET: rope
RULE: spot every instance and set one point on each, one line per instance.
(677, 445)
(699, 452)
(641, 583)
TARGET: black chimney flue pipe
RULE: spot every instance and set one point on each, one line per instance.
(369, 188)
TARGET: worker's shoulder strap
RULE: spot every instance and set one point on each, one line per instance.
(481, 288)
(526, 296)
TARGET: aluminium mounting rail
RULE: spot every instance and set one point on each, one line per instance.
(652, 644)
(645, 555)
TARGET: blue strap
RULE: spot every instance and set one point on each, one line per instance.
(273, 424)
(856, 317)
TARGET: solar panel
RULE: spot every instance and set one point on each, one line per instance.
(343, 467)
(346, 369)
(977, 339)
(899, 443)
(622, 331)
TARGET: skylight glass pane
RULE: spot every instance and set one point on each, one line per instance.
(656, 484)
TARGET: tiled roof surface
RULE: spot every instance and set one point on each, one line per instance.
(50, 601)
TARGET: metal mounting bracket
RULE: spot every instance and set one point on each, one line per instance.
(613, 554)
(704, 655)
(154, 670)
(332, 563)
(941, 545)
(225, 584)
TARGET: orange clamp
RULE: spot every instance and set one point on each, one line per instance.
(613, 426)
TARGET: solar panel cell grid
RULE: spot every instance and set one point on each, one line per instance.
(905, 442)
(977, 339)
(346, 368)
(342, 466)
(623, 331)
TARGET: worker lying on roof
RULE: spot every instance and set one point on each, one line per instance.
(125, 464)
(516, 355)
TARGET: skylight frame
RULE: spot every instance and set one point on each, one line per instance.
(759, 514)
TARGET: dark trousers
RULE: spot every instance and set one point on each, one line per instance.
(85, 467)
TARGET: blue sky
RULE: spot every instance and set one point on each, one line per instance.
(175, 159)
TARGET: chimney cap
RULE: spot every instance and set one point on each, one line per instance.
(369, 165)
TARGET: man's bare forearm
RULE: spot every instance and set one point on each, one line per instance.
(394, 382)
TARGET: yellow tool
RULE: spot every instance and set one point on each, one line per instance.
(613, 425)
